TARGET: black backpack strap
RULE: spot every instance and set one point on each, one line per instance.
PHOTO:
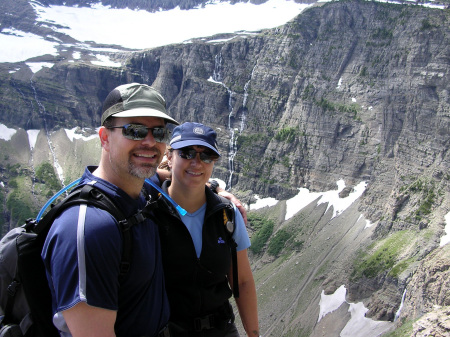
(11, 293)
(228, 221)
(90, 195)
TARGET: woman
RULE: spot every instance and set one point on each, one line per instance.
(197, 247)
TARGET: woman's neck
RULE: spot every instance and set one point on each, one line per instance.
(190, 199)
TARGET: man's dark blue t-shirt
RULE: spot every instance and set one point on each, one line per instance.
(82, 255)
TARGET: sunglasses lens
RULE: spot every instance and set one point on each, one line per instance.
(139, 132)
(206, 157)
(187, 153)
(160, 134)
(134, 132)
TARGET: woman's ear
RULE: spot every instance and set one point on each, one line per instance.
(169, 159)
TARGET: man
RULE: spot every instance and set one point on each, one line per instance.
(82, 251)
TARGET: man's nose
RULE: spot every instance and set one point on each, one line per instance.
(149, 139)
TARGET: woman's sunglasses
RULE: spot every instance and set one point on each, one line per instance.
(139, 132)
(190, 153)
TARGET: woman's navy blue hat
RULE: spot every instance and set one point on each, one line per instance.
(189, 134)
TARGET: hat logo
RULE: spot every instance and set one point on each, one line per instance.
(198, 131)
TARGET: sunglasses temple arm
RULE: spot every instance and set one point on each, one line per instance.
(180, 209)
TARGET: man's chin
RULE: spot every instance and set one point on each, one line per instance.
(143, 172)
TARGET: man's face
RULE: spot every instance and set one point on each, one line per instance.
(136, 158)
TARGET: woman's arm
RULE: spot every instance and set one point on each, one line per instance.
(247, 302)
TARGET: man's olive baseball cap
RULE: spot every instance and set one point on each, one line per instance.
(135, 100)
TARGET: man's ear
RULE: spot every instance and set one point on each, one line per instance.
(104, 137)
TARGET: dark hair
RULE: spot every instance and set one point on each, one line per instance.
(109, 122)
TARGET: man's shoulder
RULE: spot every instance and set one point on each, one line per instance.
(214, 199)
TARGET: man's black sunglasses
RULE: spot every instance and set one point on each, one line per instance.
(139, 132)
(205, 156)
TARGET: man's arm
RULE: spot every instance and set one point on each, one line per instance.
(165, 174)
(234, 200)
(84, 320)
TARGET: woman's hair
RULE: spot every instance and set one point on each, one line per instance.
(164, 165)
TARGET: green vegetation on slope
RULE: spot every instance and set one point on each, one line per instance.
(19, 202)
(45, 174)
(383, 256)
(263, 230)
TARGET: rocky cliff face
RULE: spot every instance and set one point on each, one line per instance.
(348, 90)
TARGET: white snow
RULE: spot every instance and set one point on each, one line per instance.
(5, 132)
(36, 66)
(446, 238)
(430, 4)
(260, 203)
(358, 325)
(105, 61)
(305, 197)
(72, 134)
(330, 303)
(32, 138)
(22, 46)
(139, 29)
(368, 224)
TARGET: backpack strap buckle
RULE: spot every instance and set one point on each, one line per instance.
(205, 322)
(13, 287)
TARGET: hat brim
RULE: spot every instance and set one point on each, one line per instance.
(192, 142)
(145, 112)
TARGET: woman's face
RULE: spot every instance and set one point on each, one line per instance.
(194, 172)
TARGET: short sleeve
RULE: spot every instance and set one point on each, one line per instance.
(82, 256)
(240, 234)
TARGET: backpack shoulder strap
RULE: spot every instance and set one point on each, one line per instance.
(90, 195)
(229, 223)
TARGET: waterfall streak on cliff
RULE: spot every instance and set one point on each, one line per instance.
(32, 138)
(41, 110)
(217, 78)
(397, 314)
(145, 77)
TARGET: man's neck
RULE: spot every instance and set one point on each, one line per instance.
(130, 185)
